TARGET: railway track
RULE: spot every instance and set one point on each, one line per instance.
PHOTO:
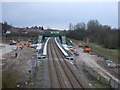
(62, 73)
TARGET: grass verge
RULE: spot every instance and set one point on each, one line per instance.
(104, 52)
(9, 79)
(97, 84)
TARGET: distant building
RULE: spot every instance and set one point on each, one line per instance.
(55, 32)
(51, 31)
(14, 30)
(8, 32)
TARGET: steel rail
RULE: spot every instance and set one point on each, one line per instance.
(62, 74)
(65, 76)
(67, 65)
(53, 73)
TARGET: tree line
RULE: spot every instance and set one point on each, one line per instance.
(96, 32)
(6, 26)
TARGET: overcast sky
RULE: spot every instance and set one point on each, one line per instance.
(59, 14)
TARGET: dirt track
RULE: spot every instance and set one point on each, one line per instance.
(96, 63)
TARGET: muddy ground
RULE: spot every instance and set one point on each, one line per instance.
(16, 71)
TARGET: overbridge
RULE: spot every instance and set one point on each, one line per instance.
(43, 37)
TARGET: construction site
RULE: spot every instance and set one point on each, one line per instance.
(53, 61)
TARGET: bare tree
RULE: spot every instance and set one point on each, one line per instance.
(71, 26)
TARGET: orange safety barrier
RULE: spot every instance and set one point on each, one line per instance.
(16, 46)
(24, 42)
(27, 45)
(72, 49)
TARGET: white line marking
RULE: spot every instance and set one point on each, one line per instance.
(45, 47)
(63, 51)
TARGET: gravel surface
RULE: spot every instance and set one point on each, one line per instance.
(96, 63)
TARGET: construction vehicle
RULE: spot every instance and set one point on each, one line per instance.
(87, 48)
(80, 44)
(12, 42)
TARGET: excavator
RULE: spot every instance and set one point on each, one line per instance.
(86, 47)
